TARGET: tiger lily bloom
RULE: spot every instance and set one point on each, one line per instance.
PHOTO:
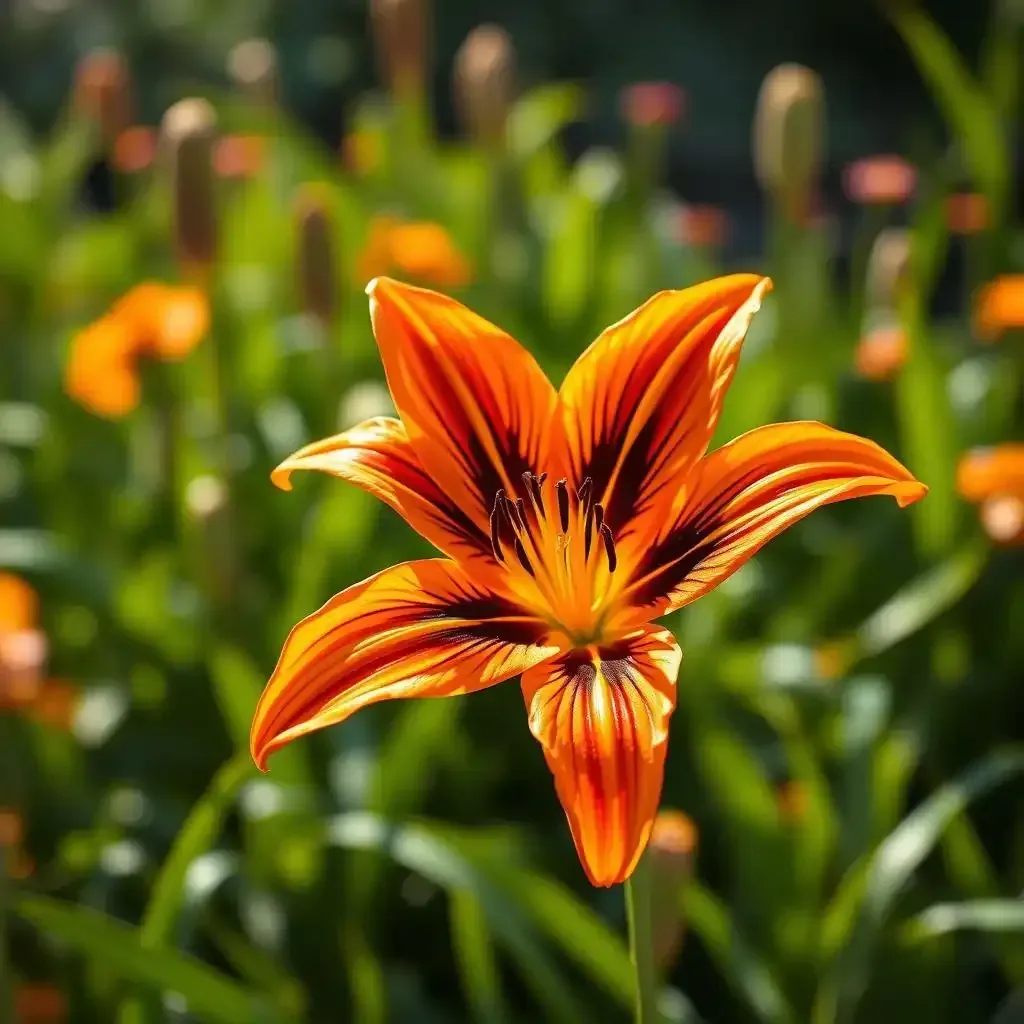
(571, 520)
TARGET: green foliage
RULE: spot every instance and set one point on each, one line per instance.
(847, 701)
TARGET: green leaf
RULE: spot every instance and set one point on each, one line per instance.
(928, 426)
(118, 947)
(750, 977)
(198, 833)
(874, 886)
(997, 916)
(419, 849)
(921, 601)
(475, 958)
(970, 113)
(540, 114)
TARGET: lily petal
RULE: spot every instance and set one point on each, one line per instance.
(477, 406)
(640, 405)
(748, 492)
(377, 456)
(601, 714)
(419, 629)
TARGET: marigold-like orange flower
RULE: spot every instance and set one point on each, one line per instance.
(421, 250)
(239, 156)
(134, 149)
(881, 353)
(652, 103)
(967, 213)
(999, 307)
(23, 646)
(39, 1003)
(572, 519)
(993, 479)
(702, 226)
(156, 320)
(19, 604)
(880, 181)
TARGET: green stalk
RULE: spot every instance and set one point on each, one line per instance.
(639, 895)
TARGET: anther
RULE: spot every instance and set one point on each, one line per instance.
(598, 515)
(521, 555)
(495, 533)
(512, 511)
(609, 546)
(562, 492)
(584, 492)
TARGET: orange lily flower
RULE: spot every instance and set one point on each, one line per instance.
(572, 519)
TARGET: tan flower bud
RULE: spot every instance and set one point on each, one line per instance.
(315, 260)
(672, 848)
(252, 66)
(789, 130)
(400, 36)
(485, 83)
(888, 268)
(189, 133)
(103, 92)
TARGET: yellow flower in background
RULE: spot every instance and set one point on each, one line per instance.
(420, 250)
(153, 320)
(999, 307)
(572, 519)
(362, 152)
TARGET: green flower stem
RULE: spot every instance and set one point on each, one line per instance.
(641, 950)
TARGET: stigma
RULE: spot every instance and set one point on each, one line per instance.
(555, 545)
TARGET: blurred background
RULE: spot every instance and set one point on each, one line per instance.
(192, 198)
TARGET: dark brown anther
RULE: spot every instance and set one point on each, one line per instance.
(521, 555)
(584, 493)
(609, 546)
(542, 478)
(511, 507)
(495, 533)
(562, 491)
(598, 515)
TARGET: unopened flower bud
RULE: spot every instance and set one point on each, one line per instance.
(1002, 516)
(189, 132)
(252, 65)
(315, 262)
(103, 92)
(888, 268)
(485, 83)
(671, 850)
(400, 36)
(789, 129)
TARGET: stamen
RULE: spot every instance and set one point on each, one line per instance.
(496, 528)
(562, 492)
(584, 493)
(609, 546)
(512, 510)
(521, 555)
(598, 515)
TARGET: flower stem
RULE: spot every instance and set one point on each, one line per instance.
(641, 949)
